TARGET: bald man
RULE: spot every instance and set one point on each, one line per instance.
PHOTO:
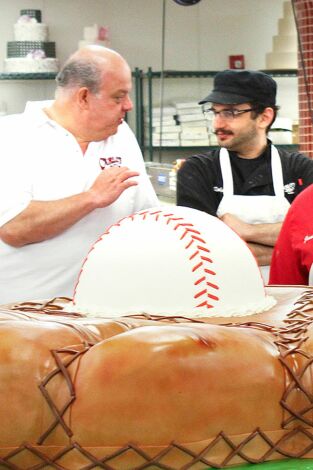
(68, 169)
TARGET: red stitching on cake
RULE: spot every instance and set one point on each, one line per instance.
(194, 254)
(205, 304)
(200, 280)
(211, 296)
(199, 239)
(187, 232)
(214, 286)
(189, 244)
(199, 253)
(181, 225)
(197, 266)
(203, 248)
(202, 292)
(174, 219)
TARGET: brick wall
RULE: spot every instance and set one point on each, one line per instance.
(304, 15)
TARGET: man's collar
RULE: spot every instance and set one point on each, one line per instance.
(34, 111)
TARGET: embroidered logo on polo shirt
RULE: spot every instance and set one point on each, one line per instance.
(105, 162)
(217, 189)
(307, 238)
(290, 188)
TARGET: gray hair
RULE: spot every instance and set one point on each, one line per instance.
(80, 73)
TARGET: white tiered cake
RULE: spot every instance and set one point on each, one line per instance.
(30, 52)
(284, 50)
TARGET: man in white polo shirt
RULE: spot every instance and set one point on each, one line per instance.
(68, 170)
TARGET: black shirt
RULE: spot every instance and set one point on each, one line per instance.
(200, 182)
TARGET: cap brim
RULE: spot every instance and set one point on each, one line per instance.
(224, 98)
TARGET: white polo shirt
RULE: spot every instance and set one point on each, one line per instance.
(40, 160)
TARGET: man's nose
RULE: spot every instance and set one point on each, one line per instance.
(218, 121)
(218, 118)
(128, 104)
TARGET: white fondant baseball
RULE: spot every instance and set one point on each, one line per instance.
(170, 261)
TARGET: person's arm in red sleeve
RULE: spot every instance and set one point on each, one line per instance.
(293, 252)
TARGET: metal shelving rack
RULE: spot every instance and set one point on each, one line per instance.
(137, 75)
(139, 78)
(27, 76)
(150, 75)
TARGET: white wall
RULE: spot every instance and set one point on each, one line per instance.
(197, 37)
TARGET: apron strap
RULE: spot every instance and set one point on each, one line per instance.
(277, 173)
(227, 175)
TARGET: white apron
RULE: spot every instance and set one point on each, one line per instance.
(254, 209)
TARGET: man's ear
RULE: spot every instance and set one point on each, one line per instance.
(266, 117)
(83, 95)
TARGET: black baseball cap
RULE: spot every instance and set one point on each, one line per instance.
(242, 86)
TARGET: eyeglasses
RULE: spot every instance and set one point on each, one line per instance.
(227, 114)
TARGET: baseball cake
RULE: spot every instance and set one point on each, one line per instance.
(170, 355)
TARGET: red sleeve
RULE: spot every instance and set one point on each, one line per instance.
(293, 253)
